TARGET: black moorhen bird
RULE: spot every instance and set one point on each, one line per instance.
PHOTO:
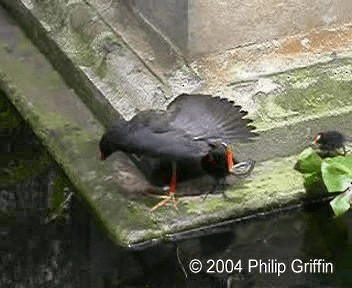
(330, 144)
(192, 127)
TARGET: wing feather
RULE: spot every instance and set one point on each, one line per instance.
(208, 118)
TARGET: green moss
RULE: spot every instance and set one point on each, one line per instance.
(304, 92)
(26, 169)
(320, 96)
(26, 157)
(9, 117)
(212, 204)
(274, 180)
(315, 89)
(59, 196)
(84, 54)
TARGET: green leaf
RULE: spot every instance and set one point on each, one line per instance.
(337, 173)
(308, 162)
(342, 203)
(312, 181)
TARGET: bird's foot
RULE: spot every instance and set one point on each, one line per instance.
(211, 191)
(243, 168)
(218, 186)
(172, 191)
(169, 197)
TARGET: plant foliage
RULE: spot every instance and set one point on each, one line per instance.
(332, 174)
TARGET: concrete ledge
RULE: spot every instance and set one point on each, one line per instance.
(67, 128)
(95, 60)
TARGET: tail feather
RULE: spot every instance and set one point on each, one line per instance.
(207, 117)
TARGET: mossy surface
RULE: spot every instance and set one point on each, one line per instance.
(306, 92)
(9, 117)
(272, 185)
(24, 158)
(317, 89)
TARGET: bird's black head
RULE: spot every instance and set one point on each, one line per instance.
(107, 145)
(114, 139)
(329, 140)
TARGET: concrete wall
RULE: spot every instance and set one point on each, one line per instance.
(217, 25)
(168, 16)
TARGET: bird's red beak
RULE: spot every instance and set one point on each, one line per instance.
(316, 139)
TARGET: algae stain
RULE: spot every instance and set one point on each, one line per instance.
(197, 206)
(308, 91)
(84, 54)
(270, 178)
(305, 92)
(324, 95)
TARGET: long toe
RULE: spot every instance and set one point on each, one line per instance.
(161, 203)
(175, 201)
(243, 168)
(169, 197)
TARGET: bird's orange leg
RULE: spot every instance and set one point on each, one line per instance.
(172, 191)
(229, 158)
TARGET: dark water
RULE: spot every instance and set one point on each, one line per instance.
(72, 251)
